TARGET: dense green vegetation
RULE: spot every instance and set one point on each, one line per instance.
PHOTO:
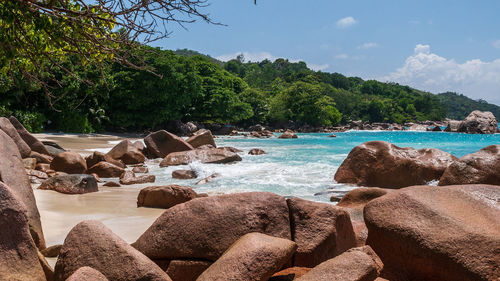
(188, 86)
(459, 106)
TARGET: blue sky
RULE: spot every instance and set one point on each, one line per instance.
(431, 45)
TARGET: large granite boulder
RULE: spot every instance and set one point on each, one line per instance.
(358, 264)
(321, 231)
(209, 156)
(86, 273)
(479, 122)
(28, 138)
(13, 174)
(481, 167)
(255, 256)
(161, 143)
(69, 162)
(201, 137)
(437, 233)
(11, 131)
(71, 184)
(127, 152)
(204, 228)
(92, 244)
(106, 170)
(184, 174)
(381, 164)
(18, 252)
(165, 196)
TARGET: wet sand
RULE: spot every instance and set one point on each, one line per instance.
(115, 207)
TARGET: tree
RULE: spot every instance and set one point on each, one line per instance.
(38, 34)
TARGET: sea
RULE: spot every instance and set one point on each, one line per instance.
(305, 167)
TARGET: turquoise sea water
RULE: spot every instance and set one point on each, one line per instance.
(305, 167)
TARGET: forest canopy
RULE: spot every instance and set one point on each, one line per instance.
(195, 87)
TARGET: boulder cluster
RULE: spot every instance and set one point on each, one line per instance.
(381, 164)
(402, 229)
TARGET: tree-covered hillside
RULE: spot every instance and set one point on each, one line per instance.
(459, 106)
(184, 85)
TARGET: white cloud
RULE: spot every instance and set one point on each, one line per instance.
(341, 56)
(318, 67)
(346, 22)
(431, 72)
(496, 44)
(368, 45)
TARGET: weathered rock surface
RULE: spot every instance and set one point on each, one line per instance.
(208, 179)
(11, 131)
(321, 231)
(161, 143)
(381, 164)
(201, 137)
(127, 152)
(256, 151)
(479, 122)
(29, 163)
(437, 233)
(53, 151)
(18, 252)
(71, 184)
(13, 174)
(255, 256)
(97, 157)
(184, 174)
(164, 196)
(288, 135)
(204, 228)
(86, 273)
(106, 170)
(481, 167)
(453, 126)
(92, 244)
(417, 127)
(289, 274)
(69, 162)
(129, 177)
(210, 156)
(186, 270)
(28, 138)
(358, 264)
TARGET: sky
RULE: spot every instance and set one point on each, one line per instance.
(435, 46)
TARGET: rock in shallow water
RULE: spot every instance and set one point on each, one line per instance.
(71, 184)
(184, 174)
(381, 164)
(159, 144)
(106, 170)
(481, 167)
(437, 233)
(479, 122)
(208, 156)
